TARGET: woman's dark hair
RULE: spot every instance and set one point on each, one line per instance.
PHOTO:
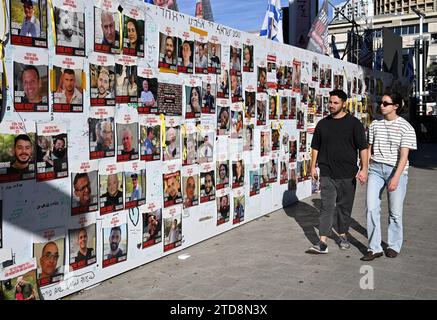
(396, 98)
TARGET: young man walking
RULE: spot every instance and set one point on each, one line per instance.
(390, 141)
(336, 143)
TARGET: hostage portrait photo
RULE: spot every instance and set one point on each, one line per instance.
(31, 85)
(82, 243)
(190, 190)
(201, 57)
(193, 102)
(223, 209)
(205, 145)
(114, 245)
(222, 174)
(238, 215)
(135, 185)
(106, 31)
(172, 149)
(185, 58)
(102, 85)
(254, 177)
(17, 157)
(237, 173)
(101, 137)
(126, 89)
(261, 112)
(70, 32)
(28, 22)
(248, 58)
(111, 192)
(214, 57)
(223, 120)
(172, 232)
(50, 257)
(207, 186)
(172, 189)
(127, 141)
(209, 92)
(152, 228)
(150, 142)
(84, 192)
(51, 157)
(133, 37)
(68, 94)
(147, 95)
(190, 149)
(168, 52)
(24, 287)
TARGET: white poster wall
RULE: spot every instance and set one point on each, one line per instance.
(147, 124)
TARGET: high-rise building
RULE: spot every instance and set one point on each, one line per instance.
(204, 10)
(354, 9)
(404, 6)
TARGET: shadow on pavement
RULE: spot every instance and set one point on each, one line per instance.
(307, 217)
(425, 157)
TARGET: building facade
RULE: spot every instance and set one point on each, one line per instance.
(405, 24)
(404, 6)
(354, 9)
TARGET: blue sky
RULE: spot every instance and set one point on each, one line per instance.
(245, 15)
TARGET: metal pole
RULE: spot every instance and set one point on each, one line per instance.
(421, 66)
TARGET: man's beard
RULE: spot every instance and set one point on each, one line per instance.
(59, 153)
(114, 246)
(68, 33)
(22, 162)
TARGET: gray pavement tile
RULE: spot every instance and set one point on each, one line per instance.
(233, 295)
(294, 294)
(160, 294)
(199, 291)
(255, 287)
(426, 293)
(359, 294)
(397, 287)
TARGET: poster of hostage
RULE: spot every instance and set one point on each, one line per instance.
(115, 240)
(135, 184)
(28, 23)
(150, 139)
(67, 86)
(82, 243)
(51, 152)
(172, 188)
(31, 80)
(111, 188)
(101, 133)
(69, 17)
(172, 228)
(49, 251)
(152, 225)
(84, 188)
(19, 282)
(17, 151)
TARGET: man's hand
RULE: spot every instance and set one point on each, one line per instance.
(393, 184)
(314, 174)
(362, 176)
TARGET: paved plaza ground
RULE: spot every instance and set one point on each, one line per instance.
(266, 259)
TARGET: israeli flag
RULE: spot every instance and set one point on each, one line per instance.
(272, 25)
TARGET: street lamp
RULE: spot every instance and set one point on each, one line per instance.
(421, 16)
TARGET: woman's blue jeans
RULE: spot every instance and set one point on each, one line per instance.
(380, 175)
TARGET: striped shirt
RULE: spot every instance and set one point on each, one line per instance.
(388, 137)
